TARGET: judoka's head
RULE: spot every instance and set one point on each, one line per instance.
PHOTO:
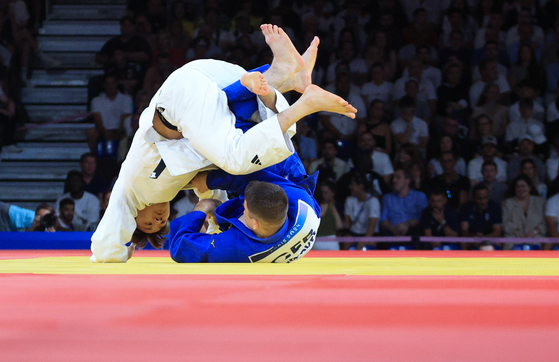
(266, 207)
(152, 224)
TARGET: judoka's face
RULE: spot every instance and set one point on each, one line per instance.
(153, 218)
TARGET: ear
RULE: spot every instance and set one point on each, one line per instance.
(255, 225)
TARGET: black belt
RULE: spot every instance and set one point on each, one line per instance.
(164, 121)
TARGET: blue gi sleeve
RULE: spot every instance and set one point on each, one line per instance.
(186, 243)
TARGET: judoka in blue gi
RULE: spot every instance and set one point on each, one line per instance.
(274, 219)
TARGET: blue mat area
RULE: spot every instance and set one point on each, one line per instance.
(44, 240)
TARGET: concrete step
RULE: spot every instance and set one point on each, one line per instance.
(31, 191)
(49, 171)
(60, 132)
(92, 2)
(63, 78)
(47, 152)
(47, 113)
(71, 44)
(75, 60)
(80, 27)
(59, 95)
(89, 12)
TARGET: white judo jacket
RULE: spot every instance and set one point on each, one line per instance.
(192, 100)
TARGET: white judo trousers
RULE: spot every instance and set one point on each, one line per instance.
(192, 100)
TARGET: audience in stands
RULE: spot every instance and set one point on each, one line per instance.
(87, 206)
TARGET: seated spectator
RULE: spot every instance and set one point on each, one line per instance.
(341, 127)
(45, 219)
(127, 74)
(8, 122)
(446, 145)
(108, 112)
(526, 146)
(481, 217)
(452, 95)
(455, 185)
(15, 218)
(93, 183)
(458, 132)
(376, 125)
(495, 23)
(488, 153)
(422, 109)
(520, 127)
(489, 171)
(527, 90)
(458, 19)
(457, 51)
(401, 209)
(378, 87)
(184, 15)
(489, 105)
(525, 68)
(136, 49)
(408, 155)
(331, 221)
(65, 215)
(408, 128)
(361, 210)
(489, 74)
(86, 205)
(422, 20)
(551, 217)
(528, 168)
(156, 74)
(438, 219)
(428, 72)
(419, 179)
(218, 39)
(523, 211)
(491, 52)
(380, 161)
(426, 91)
(388, 54)
(328, 151)
(348, 54)
(483, 127)
(525, 32)
(524, 19)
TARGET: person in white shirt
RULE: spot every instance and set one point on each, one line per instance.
(527, 91)
(489, 149)
(199, 134)
(520, 127)
(525, 18)
(426, 92)
(378, 87)
(381, 162)
(430, 73)
(86, 205)
(488, 70)
(409, 128)
(357, 66)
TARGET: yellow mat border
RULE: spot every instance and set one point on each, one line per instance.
(307, 266)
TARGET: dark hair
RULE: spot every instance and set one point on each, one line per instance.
(127, 18)
(44, 206)
(479, 186)
(482, 98)
(437, 191)
(526, 102)
(511, 192)
(267, 202)
(86, 155)
(65, 201)
(361, 179)
(331, 141)
(483, 64)
(406, 102)
(71, 174)
(156, 239)
(407, 173)
(488, 163)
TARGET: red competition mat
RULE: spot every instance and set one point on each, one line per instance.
(329, 306)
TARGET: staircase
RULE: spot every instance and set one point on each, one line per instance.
(73, 32)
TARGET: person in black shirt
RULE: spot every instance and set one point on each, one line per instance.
(455, 185)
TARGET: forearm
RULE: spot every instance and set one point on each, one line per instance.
(388, 226)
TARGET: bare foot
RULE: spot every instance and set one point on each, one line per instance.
(318, 99)
(301, 80)
(256, 83)
(287, 60)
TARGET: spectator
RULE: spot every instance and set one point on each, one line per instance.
(494, 23)
(376, 125)
(44, 220)
(341, 127)
(489, 151)
(93, 183)
(552, 72)
(8, 122)
(429, 72)
(450, 127)
(496, 189)
(156, 74)
(218, 39)
(525, 33)
(490, 106)
(489, 74)
(452, 96)
(391, 25)
(418, 177)
(514, 34)
(491, 52)
(361, 210)
(552, 163)
(378, 87)
(426, 91)
(409, 128)
(527, 91)
(456, 52)
(331, 221)
(481, 127)
(108, 111)
(422, 109)
(552, 123)
(526, 67)
(328, 151)
(408, 155)
(551, 217)
(65, 215)
(438, 219)
(184, 15)
(519, 128)
(481, 217)
(87, 205)
(458, 19)
(455, 185)
(422, 22)
(388, 55)
(176, 52)
(401, 209)
(526, 146)
(127, 74)
(523, 211)
(528, 168)
(380, 161)
(104, 202)
(446, 145)
(136, 49)
(179, 41)
(15, 218)
(348, 54)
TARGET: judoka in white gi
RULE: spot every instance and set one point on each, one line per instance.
(192, 100)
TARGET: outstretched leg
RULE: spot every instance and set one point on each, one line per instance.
(287, 60)
(314, 99)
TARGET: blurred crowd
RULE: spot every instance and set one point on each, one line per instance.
(457, 130)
